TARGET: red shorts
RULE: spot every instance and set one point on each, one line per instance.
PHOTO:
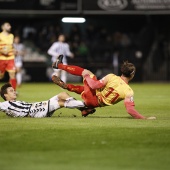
(7, 65)
(89, 95)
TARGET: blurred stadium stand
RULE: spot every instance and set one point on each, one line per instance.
(137, 31)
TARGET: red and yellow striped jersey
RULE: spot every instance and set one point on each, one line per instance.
(115, 90)
(6, 45)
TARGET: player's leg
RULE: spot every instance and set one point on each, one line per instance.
(2, 68)
(18, 65)
(65, 100)
(56, 72)
(18, 76)
(70, 87)
(64, 76)
(59, 73)
(72, 69)
(75, 88)
(90, 99)
(89, 95)
(12, 79)
(10, 68)
(71, 102)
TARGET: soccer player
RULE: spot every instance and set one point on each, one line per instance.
(110, 90)
(19, 47)
(15, 108)
(7, 53)
(57, 48)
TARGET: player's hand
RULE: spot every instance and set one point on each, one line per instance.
(151, 118)
(72, 55)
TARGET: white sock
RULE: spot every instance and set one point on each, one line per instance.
(72, 103)
(19, 78)
(64, 76)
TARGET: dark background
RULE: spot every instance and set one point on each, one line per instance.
(147, 31)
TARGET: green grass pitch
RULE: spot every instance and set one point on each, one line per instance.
(107, 140)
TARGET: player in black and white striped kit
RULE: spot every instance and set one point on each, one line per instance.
(19, 47)
(15, 108)
(58, 48)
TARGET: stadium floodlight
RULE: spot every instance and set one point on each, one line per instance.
(73, 20)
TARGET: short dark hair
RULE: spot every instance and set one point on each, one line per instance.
(128, 69)
(3, 23)
(4, 90)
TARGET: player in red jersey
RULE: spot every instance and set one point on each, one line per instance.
(7, 54)
(110, 90)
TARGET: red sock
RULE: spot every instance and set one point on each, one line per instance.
(13, 82)
(77, 89)
(75, 70)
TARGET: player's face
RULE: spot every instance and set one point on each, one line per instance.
(11, 94)
(61, 38)
(16, 40)
(7, 27)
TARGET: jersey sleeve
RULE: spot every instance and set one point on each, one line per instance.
(53, 50)
(67, 50)
(130, 108)
(94, 84)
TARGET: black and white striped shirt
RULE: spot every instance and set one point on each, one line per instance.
(15, 108)
(58, 48)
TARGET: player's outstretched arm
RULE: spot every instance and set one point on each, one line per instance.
(129, 104)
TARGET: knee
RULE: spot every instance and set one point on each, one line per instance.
(12, 75)
(63, 96)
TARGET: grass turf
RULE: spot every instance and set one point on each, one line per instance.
(109, 139)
